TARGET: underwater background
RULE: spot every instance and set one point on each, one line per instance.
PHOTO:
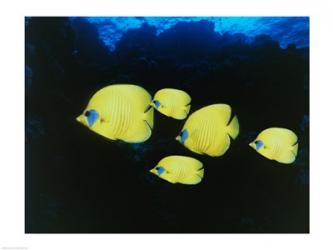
(78, 182)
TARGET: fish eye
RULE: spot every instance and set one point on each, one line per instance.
(259, 144)
(91, 116)
(160, 170)
(157, 103)
(87, 113)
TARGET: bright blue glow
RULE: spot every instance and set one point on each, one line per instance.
(285, 30)
(160, 170)
(183, 136)
(156, 103)
(259, 144)
(92, 117)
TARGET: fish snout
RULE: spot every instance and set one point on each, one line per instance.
(252, 145)
(177, 138)
(79, 118)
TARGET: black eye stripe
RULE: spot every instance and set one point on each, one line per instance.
(87, 113)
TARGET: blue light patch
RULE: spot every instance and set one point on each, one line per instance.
(183, 136)
(286, 30)
(156, 103)
(160, 170)
(259, 144)
(92, 116)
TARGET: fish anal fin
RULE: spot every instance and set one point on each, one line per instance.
(288, 156)
(194, 178)
(140, 131)
(181, 113)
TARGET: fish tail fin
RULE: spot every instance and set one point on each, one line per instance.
(233, 127)
(200, 173)
(295, 149)
(187, 109)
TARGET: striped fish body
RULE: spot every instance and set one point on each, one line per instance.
(174, 103)
(279, 144)
(210, 130)
(122, 113)
(180, 169)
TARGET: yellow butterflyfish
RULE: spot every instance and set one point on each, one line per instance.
(174, 103)
(119, 112)
(208, 130)
(179, 169)
(279, 144)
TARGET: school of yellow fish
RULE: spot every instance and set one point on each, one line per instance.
(126, 112)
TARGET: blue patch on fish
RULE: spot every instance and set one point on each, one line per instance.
(160, 170)
(259, 144)
(92, 115)
(183, 136)
(156, 103)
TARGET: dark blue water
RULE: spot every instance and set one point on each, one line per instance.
(78, 182)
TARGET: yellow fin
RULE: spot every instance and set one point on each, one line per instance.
(286, 157)
(234, 128)
(140, 132)
(288, 136)
(295, 149)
